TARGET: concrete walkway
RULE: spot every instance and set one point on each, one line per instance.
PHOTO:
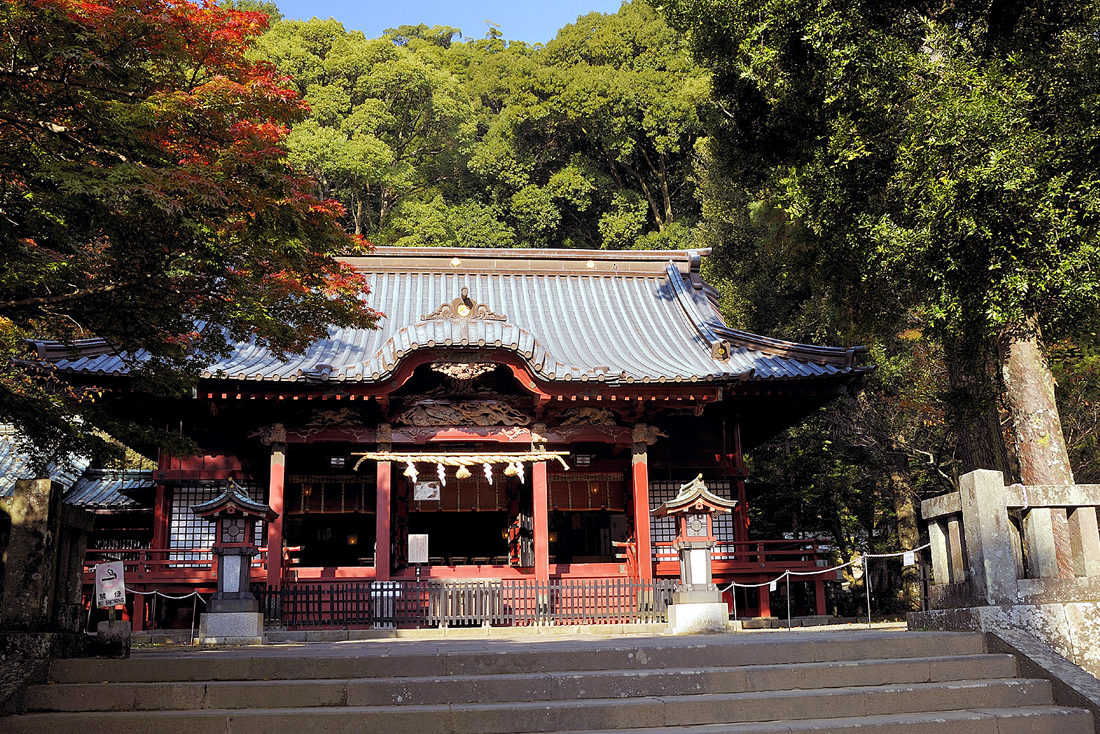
(167, 640)
(428, 642)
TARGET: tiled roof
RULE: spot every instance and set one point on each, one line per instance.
(612, 317)
(91, 488)
(105, 489)
(14, 464)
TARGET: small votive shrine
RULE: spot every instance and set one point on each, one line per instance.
(697, 604)
(233, 614)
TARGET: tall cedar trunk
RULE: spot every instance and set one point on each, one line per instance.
(972, 377)
(908, 535)
(1040, 445)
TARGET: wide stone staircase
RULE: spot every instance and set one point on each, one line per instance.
(885, 682)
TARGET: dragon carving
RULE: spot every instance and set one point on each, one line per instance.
(471, 412)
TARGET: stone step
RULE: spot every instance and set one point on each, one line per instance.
(558, 716)
(1028, 720)
(543, 686)
(643, 654)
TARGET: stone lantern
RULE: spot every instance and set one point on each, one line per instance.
(233, 613)
(697, 604)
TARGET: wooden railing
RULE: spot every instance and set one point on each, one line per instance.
(145, 566)
(436, 603)
(755, 554)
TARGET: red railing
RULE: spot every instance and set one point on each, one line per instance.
(754, 555)
(149, 567)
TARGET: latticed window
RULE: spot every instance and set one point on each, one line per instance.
(188, 532)
(663, 529)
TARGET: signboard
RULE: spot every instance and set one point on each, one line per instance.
(909, 558)
(426, 491)
(418, 549)
(110, 584)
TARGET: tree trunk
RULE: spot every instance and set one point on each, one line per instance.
(908, 535)
(972, 405)
(1040, 445)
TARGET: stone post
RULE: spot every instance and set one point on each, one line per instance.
(1085, 541)
(988, 537)
(30, 568)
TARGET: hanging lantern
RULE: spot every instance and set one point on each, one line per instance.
(442, 473)
(510, 470)
(462, 473)
(488, 472)
(410, 471)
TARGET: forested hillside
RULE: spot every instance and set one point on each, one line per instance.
(917, 179)
(429, 138)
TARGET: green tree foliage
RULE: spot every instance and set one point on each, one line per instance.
(387, 124)
(432, 140)
(596, 134)
(144, 192)
(940, 158)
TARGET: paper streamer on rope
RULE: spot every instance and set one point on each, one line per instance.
(519, 471)
(410, 472)
(488, 472)
(442, 474)
(459, 459)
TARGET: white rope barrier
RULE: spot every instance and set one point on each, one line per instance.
(158, 592)
(832, 569)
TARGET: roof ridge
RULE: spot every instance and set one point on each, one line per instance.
(536, 253)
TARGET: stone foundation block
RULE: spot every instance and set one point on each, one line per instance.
(690, 619)
(231, 628)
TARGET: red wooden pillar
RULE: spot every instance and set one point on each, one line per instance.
(382, 482)
(542, 521)
(162, 518)
(138, 620)
(741, 513)
(275, 528)
(765, 601)
(819, 597)
(162, 510)
(640, 466)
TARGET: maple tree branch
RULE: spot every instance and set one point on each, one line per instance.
(70, 296)
(67, 133)
(53, 128)
(32, 74)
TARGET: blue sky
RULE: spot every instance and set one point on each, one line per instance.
(519, 20)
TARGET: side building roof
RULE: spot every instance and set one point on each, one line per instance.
(93, 489)
(611, 317)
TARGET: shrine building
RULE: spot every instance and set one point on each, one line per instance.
(525, 410)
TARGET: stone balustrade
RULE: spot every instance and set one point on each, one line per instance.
(995, 562)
